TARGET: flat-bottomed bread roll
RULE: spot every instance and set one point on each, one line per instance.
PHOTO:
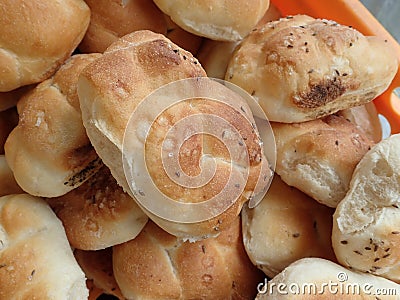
(366, 223)
(36, 37)
(36, 261)
(49, 151)
(300, 68)
(285, 226)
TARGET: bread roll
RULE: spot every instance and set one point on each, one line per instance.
(10, 99)
(49, 151)
(366, 222)
(300, 69)
(318, 157)
(98, 267)
(111, 89)
(98, 214)
(156, 265)
(284, 227)
(366, 118)
(36, 261)
(316, 278)
(225, 21)
(113, 19)
(36, 37)
(8, 185)
(8, 120)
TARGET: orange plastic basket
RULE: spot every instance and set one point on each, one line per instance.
(353, 13)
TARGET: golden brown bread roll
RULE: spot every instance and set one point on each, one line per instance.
(36, 261)
(317, 278)
(225, 21)
(8, 120)
(110, 90)
(156, 265)
(285, 226)
(112, 19)
(98, 267)
(318, 157)
(300, 69)
(366, 118)
(8, 185)
(98, 214)
(36, 37)
(49, 151)
(366, 222)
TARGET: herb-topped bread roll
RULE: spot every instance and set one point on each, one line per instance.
(217, 20)
(110, 90)
(366, 223)
(36, 261)
(300, 68)
(318, 157)
(36, 37)
(49, 151)
(285, 226)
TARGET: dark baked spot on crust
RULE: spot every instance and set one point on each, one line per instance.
(319, 94)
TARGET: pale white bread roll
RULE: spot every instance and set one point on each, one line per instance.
(98, 214)
(217, 20)
(98, 268)
(49, 151)
(317, 278)
(10, 99)
(300, 68)
(8, 185)
(366, 118)
(110, 90)
(319, 157)
(214, 56)
(156, 265)
(36, 259)
(8, 120)
(36, 37)
(285, 226)
(110, 20)
(366, 223)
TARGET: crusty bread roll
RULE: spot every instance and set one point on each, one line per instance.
(49, 151)
(366, 222)
(366, 118)
(317, 278)
(112, 19)
(8, 120)
(225, 21)
(300, 69)
(8, 185)
(36, 37)
(36, 261)
(318, 157)
(98, 214)
(110, 90)
(156, 265)
(98, 267)
(285, 226)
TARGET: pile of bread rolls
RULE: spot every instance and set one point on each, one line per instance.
(72, 226)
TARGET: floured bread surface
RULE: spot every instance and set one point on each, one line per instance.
(317, 278)
(287, 225)
(318, 157)
(157, 265)
(99, 214)
(366, 233)
(111, 88)
(36, 37)
(36, 261)
(49, 151)
(217, 20)
(300, 68)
